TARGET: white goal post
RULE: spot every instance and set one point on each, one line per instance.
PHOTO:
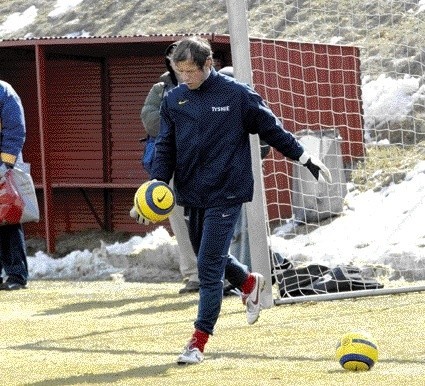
(349, 81)
(241, 58)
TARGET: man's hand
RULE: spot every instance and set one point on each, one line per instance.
(316, 167)
(139, 219)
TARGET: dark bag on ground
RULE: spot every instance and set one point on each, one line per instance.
(318, 279)
(279, 264)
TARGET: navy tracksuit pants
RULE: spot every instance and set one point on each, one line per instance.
(210, 232)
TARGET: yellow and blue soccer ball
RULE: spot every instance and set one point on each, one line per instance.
(357, 351)
(154, 200)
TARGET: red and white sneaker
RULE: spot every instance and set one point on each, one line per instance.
(253, 300)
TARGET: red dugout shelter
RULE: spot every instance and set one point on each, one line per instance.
(82, 99)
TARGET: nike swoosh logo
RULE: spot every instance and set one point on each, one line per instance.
(160, 199)
(224, 215)
(183, 102)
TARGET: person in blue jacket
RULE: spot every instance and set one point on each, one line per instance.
(204, 142)
(13, 258)
(151, 121)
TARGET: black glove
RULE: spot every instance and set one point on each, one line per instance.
(316, 167)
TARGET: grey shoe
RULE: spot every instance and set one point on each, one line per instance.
(191, 286)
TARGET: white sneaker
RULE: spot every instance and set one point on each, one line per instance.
(253, 301)
(189, 356)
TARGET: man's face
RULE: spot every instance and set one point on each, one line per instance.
(190, 74)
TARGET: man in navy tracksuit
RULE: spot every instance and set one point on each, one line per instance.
(13, 257)
(204, 141)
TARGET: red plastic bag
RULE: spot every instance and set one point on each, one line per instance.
(11, 203)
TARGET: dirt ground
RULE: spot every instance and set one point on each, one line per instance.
(118, 333)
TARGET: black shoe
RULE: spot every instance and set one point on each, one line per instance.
(191, 286)
(12, 286)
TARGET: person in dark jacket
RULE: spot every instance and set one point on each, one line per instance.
(13, 258)
(204, 142)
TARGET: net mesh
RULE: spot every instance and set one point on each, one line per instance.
(347, 77)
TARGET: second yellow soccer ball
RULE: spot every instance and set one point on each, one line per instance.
(357, 351)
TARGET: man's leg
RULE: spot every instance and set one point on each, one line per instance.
(218, 227)
(210, 231)
(13, 256)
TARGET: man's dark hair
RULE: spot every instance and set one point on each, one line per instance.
(193, 48)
